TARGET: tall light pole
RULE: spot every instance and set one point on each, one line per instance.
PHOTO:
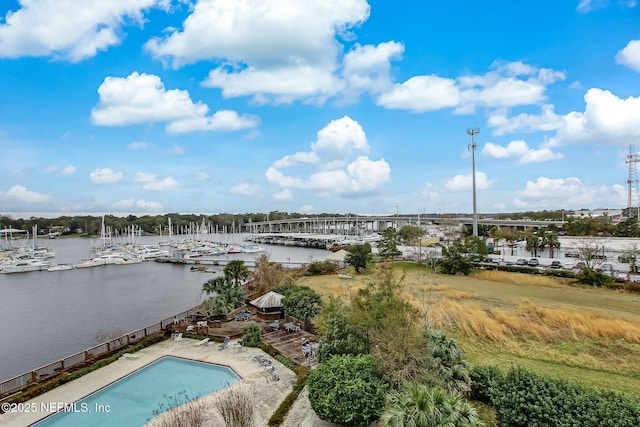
(473, 132)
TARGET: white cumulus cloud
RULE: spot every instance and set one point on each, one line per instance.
(148, 205)
(276, 50)
(335, 164)
(461, 182)
(68, 29)
(142, 98)
(284, 194)
(22, 194)
(245, 189)
(68, 170)
(366, 68)
(105, 176)
(520, 150)
(607, 120)
(507, 85)
(153, 182)
(630, 55)
(137, 145)
(552, 193)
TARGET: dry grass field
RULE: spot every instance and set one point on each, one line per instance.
(547, 324)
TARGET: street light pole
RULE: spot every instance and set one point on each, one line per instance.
(473, 132)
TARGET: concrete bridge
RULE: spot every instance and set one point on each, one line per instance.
(359, 225)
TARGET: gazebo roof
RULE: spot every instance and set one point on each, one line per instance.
(337, 256)
(268, 300)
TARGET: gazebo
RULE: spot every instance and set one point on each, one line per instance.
(338, 257)
(268, 306)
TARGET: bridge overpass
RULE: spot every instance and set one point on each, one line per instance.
(357, 225)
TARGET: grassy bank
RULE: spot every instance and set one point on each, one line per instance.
(543, 323)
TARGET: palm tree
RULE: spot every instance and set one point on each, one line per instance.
(533, 243)
(448, 362)
(550, 239)
(423, 405)
(213, 286)
(235, 272)
(226, 295)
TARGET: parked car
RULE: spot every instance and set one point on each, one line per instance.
(555, 264)
(534, 262)
(607, 267)
(521, 261)
(622, 276)
(580, 265)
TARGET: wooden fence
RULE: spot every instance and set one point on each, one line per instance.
(15, 384)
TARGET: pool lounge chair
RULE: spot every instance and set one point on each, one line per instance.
(204, 342)
(224, 344)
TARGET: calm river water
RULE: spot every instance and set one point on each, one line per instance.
(45, 316)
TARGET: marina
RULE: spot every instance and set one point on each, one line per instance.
(49, 315)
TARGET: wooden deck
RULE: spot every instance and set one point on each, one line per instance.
(289, 344)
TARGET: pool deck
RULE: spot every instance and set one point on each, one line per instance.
(266, 392)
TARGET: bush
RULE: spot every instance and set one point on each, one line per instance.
(632, 287)
(180, 410)
(423, 405)
(347, 390)
(317, 268)
(592, 277)
(252, 336)
(568, 274)
(484, 379)
(523, 398)
(236, 406)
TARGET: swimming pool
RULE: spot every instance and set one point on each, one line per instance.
(131, 400)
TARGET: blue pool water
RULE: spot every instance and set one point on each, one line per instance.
(131, 400)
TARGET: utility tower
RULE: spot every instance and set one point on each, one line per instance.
(472, 147)
(632, 181)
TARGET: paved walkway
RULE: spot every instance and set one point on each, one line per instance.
(301, 414)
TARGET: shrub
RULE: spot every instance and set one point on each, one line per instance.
(592, 277)
(318, 268)
(252, 336)
(568, 274)
(236, 406)
(632, 287)
(347, 390)
(523, 398)
(483, 381)
(179, 410)
(423, 405)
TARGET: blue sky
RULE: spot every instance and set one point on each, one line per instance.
(312, 106)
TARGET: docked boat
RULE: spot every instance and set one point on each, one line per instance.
(127, 261)
(60, 267)
(24, 265)
(93, 262)
(251, 248)
(150, 252)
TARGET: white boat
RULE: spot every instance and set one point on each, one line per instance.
(93, 262)
(24, 265)
(150, 252)
(250, 248)
(126, 261)
(110, 258)
(60, 267)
